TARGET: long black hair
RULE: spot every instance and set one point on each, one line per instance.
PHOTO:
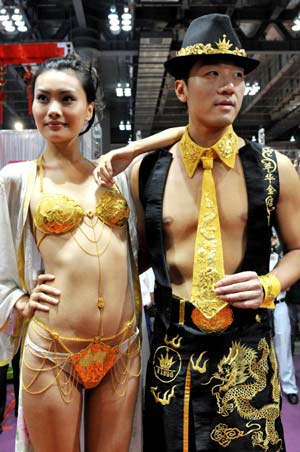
(86, 74)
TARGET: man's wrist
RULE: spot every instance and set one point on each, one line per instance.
(271, 287)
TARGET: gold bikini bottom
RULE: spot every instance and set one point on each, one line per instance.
(88, 366)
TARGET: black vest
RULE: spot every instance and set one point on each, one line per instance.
(262, 182)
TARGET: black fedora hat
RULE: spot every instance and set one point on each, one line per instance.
(209, 37)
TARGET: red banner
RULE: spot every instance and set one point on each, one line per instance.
(32, 53)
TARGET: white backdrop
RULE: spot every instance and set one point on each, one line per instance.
(28, 145)
(23, 145)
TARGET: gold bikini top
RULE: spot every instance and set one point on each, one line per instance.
(58, 213)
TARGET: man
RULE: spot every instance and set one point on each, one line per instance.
(293, 302)
(282, 334)
(212, 381)
(3, 388)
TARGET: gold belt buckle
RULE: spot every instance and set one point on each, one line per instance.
(219, 322)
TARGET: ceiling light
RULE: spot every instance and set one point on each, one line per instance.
(126, 19)
(113, 13)
(296, 23)
(113, 16)
(126, 27)
(18, 125)
(138, 135)
(296, 26)
(126, 15)
(17, 17)
(113, 19)
(292, 139)
(123, 90)
(253, 138)
(10, 28)
(126, 22)
(119, 90)
(251, 90)
(22, 28)
(122, 125)
(115, 28)
(261, 136)
(10, 18)
(127, 90)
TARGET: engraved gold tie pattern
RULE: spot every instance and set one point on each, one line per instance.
(212, 313)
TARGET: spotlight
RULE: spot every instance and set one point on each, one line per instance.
(18, 125)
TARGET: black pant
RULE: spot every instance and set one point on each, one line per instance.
(210, 389)
(16, 383)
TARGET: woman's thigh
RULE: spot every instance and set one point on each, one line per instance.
(110, 409)
(52, 405)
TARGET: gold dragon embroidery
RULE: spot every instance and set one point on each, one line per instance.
(243, 375)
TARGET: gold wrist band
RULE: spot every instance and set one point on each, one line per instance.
(272, 288)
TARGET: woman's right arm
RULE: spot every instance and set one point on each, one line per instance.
(14, 298)
(10, 287)
(113, 162)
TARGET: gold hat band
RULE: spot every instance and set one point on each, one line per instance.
(223, 47)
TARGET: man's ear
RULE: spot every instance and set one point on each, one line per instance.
(181, 90)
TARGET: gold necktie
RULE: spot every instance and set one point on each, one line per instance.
(211, 313)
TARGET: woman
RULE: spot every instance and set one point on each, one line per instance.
(67, 267)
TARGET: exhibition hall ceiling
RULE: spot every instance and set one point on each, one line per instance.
(133, 59)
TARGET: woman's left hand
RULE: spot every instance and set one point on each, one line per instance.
(111, 164)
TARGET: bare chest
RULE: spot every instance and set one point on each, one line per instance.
(183, 196)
